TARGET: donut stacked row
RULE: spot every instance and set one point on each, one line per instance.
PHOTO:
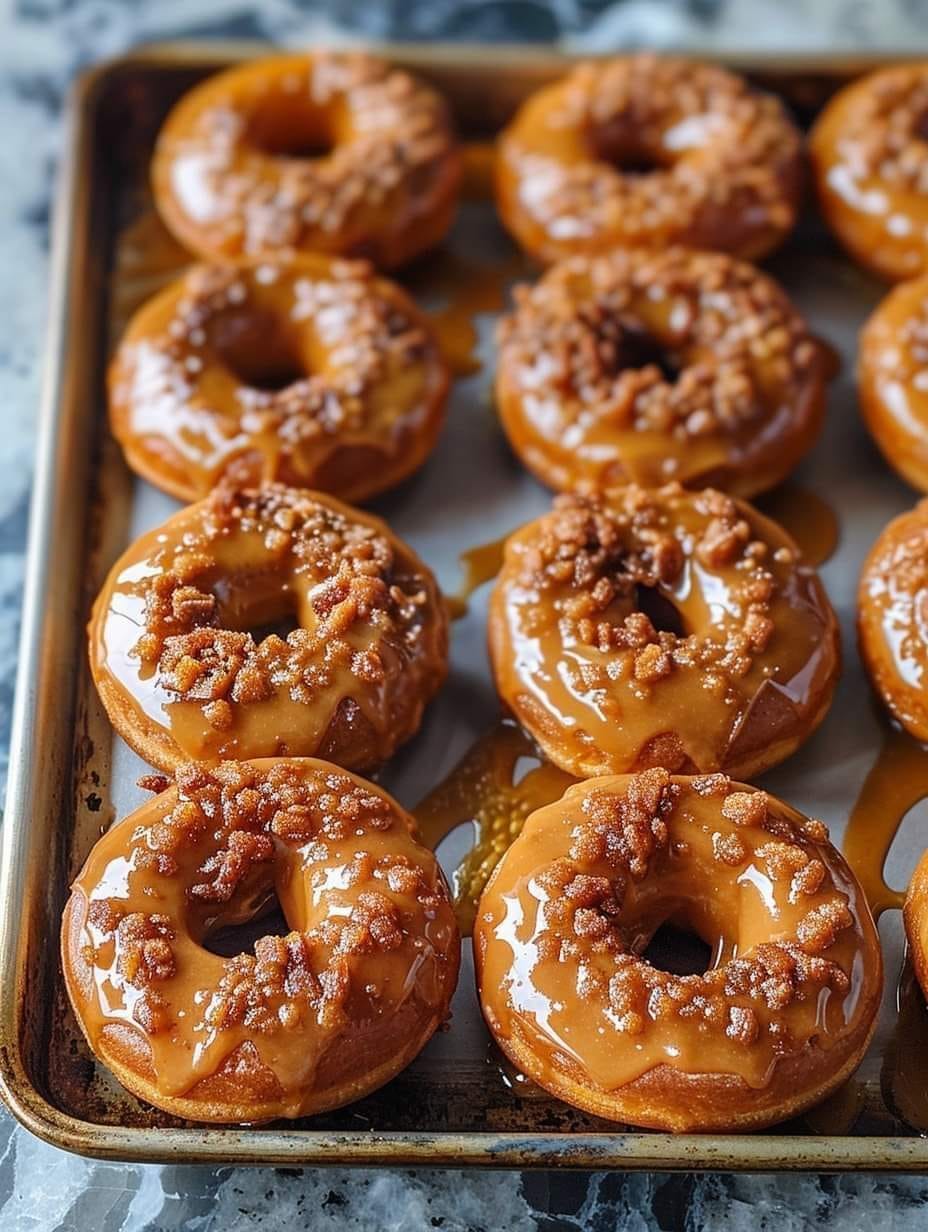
(652, 630)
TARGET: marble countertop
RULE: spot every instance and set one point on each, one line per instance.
(42, 44)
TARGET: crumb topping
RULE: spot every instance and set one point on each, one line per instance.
(590, 563)
(883, 133)
(399, 145)
(622, 838)
(727, 330)
(743, 145)
(364, 597)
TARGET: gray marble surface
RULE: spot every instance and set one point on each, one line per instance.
(42, 44)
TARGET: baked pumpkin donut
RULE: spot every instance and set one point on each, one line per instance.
(640, 367)
(869, 152)
(190, 660)
(332, 152)
(915, 918)
(304, 1022)
(892, 381)
(661, 628)
(649, 150)
(321, 375)
(892, 618)
(782, 1016)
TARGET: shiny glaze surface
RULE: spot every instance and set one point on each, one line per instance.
(737, 671)
(464, 289)
(915, 916)
(795, 971)
(807, 518)
(493, 788)
(479, 565)
(869, 150)
(367, 967)
(643, 367)
(320, 375)
(648, 150)
(892, 618)
(332, 152)
(892, 377)
(896, 782)
(182, 678)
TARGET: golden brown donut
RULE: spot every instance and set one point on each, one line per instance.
(782, 1016)
(182, 676)
(307, 1021)
(318, 374)
(892, 379)
(869, 153)
(640, 367)
(892, 618)
(915, 918)
(649, 150)
(661, 628)
(332, 151)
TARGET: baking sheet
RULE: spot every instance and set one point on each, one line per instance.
(455, 1103)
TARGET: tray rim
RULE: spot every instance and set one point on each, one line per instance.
(37, 708)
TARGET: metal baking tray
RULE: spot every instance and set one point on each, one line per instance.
(70, 777)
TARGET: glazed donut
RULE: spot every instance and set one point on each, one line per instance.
(891, 379)
(307, 1021)
(182, 677)
(333, 152)
(649, 150)
(915, 918)
(320, 375)
(661, 628)
(892, 618)
(869, 154)
(642, 367)
(782, 1016)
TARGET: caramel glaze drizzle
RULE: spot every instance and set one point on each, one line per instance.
(897, 780)
(804, 515)
(479, 565)
(466, 289)
(496, 785)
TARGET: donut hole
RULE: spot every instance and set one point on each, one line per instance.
(663, 615)
(283, 128)
(258, 352)
(679, 951)
(640, 349)
(261, 607)
(262, 917)
(627, 153)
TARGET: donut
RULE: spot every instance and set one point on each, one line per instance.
(332, 151)
(641, 367)
(189, 649)
(915, 919)
(300, 1023)
(870, 160)
(661, 628)
(647, 150)
(892, 618)
(782, 1016)
(320, 375)
(892, 381)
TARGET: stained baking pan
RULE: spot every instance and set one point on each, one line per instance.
(70, 777)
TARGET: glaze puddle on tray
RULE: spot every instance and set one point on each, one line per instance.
(496, 785)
